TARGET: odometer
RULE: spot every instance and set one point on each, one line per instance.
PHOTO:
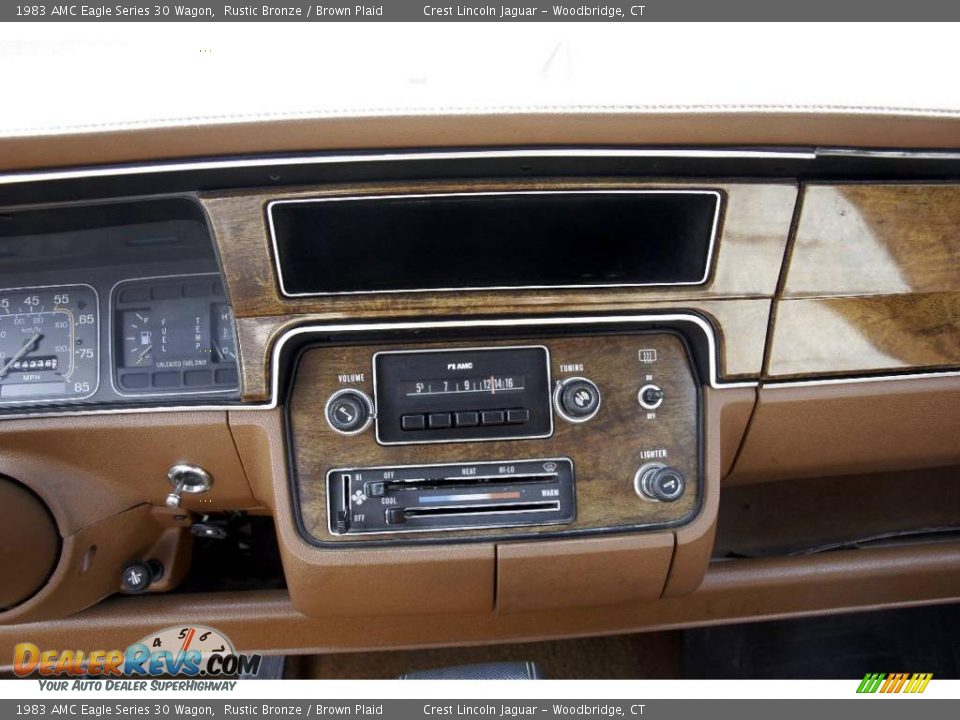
(49, 344)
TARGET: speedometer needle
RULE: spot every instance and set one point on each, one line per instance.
(28, 346)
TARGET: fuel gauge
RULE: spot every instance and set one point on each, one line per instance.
(137, 338)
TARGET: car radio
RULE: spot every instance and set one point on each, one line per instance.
(462, 395)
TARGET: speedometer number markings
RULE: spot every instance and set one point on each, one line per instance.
(49, 344)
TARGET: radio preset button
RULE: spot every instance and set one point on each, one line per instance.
(349, 411)
(577, 399)
(439, 420)
(466, 418)
(514, 417)
(413, 422)
(492, 417)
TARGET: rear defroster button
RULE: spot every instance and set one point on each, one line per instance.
(650, 397)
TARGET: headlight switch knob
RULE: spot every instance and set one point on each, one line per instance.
(187, 478)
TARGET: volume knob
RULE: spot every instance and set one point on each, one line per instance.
(349, 411)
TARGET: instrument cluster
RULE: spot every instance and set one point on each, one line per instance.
(153, 338)
(174, 335)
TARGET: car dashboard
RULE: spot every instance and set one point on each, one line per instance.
(425, 396)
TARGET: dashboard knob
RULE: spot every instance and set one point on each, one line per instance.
(650, 397)
(137, 577)
(577, 399)
(656, 481)
(349, 411)
(186, 478)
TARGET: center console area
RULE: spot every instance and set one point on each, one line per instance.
(513, 467)
(567, 434)
(509, 463)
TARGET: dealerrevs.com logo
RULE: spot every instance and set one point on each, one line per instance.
(191, 651)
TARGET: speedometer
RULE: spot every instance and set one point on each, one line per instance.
(49, 344)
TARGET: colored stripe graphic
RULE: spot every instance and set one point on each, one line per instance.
(919, 682)
(871, 682)
(894, 683)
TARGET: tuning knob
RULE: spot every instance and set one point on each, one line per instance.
(577, 399)
(349, 411)
(656, 481)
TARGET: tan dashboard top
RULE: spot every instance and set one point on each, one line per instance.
(583, 126)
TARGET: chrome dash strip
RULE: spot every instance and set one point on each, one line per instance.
(786, 384)
(392, 157)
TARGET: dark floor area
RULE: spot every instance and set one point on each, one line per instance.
(923, 639)
(652, 655)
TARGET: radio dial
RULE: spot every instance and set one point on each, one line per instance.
(577, 399)
(349, 412)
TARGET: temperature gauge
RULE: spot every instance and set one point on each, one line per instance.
(224, 339)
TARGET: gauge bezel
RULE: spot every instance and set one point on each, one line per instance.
(98, 359)
(116, 353)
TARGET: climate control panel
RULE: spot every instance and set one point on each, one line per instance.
(515, 437)
(450, 497)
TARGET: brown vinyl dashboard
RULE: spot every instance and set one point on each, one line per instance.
(501, 393)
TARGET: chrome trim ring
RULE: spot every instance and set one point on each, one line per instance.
(364, 398)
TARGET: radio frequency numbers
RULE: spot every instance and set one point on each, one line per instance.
(457, 386)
